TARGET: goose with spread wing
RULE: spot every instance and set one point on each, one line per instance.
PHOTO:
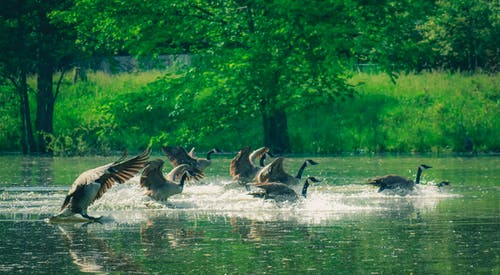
(160, 187)
(92, 184)
(178, 155)
(242, 167)
(275, 172)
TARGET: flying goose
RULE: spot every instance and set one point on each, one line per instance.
(178, 155)
(242, 167)
(158, 186)
(92, 184)
(274, 172)
(281, 192)
(398, 182)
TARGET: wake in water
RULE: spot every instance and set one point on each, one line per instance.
(127, 202)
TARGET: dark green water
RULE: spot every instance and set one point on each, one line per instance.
(343, 227)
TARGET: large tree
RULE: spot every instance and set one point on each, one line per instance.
(17, 61)
(250, 56)
(33, 43)
(463, 35)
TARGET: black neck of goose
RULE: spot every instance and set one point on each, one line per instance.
(304, 188)
(215, 150)
(301, 170)
(262, 159)
(419, 174)
(183, 179)
(209, 154)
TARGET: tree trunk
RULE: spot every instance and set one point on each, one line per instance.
(22, 113)
(27, 139)
(28, 143)
(45, 97)
(45, 105)
(276, 130)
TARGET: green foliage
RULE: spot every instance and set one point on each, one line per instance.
(262, 72)
(9, 117)
(464, 34)
(420, 113)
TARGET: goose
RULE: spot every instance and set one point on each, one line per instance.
(242, 167)
(281, 192)
(93, 183)
(274, 172)
(178, 155)
(398, 182)
(158, 186)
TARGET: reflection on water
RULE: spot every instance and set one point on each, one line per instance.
(27, 171)
(342, 227)
(93, 254)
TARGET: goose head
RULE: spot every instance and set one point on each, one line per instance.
(421, 168)
(309, 181)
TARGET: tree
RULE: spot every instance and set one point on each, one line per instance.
(389, 36)
(258, 56)
(33, 43)
(17, 60)
(464, 34)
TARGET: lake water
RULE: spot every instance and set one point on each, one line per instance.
(342, 227)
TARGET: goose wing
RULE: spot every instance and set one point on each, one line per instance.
(85, 178)
(192, 153)
(121, 172)
(118, 170)
(178, 155)
(274, 171)
(240, 165)
(152, 174)
(257, 154)
(177, 172)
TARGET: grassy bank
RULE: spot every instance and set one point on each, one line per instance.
(430, 112)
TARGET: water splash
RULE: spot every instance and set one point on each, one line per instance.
(127, 202)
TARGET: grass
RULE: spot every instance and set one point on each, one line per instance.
(428, 112)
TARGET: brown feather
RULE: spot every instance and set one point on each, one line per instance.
(275, 172)
(121, 172)
(240, 165)
(178, 155)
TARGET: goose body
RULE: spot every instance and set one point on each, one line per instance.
(160, 187)
(178, 155)
(92, 184)
(392, 182)
(278, 191)
(275, 172)
(243, 168)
